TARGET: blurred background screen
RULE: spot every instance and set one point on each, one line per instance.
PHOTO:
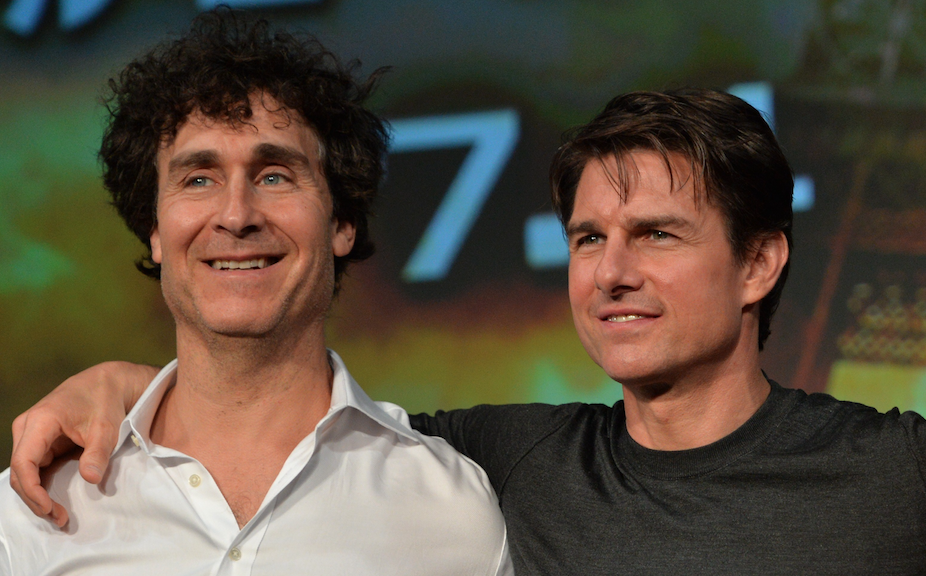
(465, 301)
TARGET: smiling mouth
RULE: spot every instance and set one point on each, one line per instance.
(616, 318)
(257, 263)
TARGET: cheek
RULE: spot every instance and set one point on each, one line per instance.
(705, 298)
(181, 226)
(581, 276)
(306, 219)
(577, 300)
(581, 297)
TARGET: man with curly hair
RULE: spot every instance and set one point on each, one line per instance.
(245, 162)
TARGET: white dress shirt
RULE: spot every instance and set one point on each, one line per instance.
(362, 494)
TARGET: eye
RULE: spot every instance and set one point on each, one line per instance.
(590, 239)
(272, 179)
(659, 235)
(200, 181)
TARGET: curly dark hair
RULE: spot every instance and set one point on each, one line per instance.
(215, 69)
(735, 159)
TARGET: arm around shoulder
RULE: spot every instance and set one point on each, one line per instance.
(495, 437)
(86, 411)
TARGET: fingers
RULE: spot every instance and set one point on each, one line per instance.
(46, 441)
(100, 441)
(29, 488)
(18, 425)
(86, 410)
(26, 461)
(91, 467)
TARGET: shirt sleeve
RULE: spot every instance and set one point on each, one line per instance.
(6, 562)
(495, 437)
(505, 566)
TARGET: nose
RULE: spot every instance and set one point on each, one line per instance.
(240, 212)
(618, 270)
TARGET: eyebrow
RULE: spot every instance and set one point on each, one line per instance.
(648, 223)
(263, 153)
(198, 159)
(656, 222)
(275, 154)
(583, 227)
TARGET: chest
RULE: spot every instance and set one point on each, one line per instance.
(782, 515)
(244, 485)
(342, 512)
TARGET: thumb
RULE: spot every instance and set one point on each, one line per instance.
(100, 442)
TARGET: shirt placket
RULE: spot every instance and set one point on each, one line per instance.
(242, 553)
(236, 549)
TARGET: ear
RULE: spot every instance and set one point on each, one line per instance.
(342, 237)
(155, 241)
(764, 267)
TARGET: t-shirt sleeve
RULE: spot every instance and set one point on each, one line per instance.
(915, 427)
(495, 437)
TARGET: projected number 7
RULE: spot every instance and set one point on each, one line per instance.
(492, 137)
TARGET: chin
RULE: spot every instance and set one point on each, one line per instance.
(239, 327)
(624, 376)
(240, 333)
(630, 370)
(617, 358)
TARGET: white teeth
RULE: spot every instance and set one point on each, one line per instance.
(239, 265)
(624, 317)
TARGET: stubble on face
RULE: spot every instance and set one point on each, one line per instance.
(654, 288)
(251, 195)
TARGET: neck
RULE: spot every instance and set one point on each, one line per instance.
(696, 409)
(244, 391)
(240, 406)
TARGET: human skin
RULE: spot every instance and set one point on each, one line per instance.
(253, 192)
(662, 305)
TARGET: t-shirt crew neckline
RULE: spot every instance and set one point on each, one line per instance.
(678, 464)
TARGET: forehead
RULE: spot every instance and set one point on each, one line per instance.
(639, 180)
(269, 123)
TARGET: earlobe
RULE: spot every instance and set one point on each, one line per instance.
(764, 267)
(342, 237)
(155, 240)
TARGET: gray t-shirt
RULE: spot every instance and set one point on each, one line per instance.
(809, 485)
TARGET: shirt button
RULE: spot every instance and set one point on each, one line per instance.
(235, 554)
(195, 481)
(135, 440)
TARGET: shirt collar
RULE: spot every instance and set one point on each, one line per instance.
(345, 394)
